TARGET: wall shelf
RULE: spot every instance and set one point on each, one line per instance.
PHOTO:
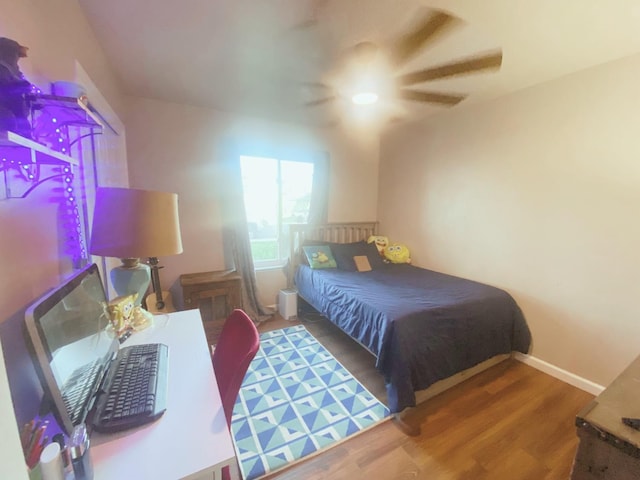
(68, 110)
(57, 125)
(37, 152)
(25, 164)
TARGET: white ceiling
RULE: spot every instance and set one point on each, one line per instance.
(253, 56)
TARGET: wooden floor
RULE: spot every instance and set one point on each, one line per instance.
(510, 422)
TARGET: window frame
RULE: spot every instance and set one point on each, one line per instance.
(281, 231)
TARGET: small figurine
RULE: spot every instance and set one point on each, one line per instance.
(125, 316)
(120, 311)
(14, 89)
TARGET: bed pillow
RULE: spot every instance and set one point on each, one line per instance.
(301, 256)
(319, 256)
(374, 257)
(344, 253)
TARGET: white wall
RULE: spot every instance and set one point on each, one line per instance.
(175, 148)
(31, 238)
(57, 36)
(537, 193)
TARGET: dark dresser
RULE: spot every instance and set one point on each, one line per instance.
(215, 294)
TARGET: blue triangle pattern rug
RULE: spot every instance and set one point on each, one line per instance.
(296, 400)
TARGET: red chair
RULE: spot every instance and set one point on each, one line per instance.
(238, 343)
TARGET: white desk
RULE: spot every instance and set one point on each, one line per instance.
(191, 440)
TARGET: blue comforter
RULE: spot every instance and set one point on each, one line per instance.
(422, 325)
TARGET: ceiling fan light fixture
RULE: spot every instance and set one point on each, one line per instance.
(374, 84)
(365, 98)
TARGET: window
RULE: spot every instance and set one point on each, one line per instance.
(276, 194)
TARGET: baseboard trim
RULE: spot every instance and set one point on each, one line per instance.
(560, 374)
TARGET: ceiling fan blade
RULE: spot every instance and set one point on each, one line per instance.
(470, 65)
(431, 97)
(411, 43)
(316, 7)
(332, 124)
(320, 101)
(314, 85)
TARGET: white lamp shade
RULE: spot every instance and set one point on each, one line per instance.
(131, 223)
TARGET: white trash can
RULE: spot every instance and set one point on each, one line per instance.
(288, 303)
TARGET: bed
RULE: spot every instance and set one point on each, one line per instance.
(428, 330)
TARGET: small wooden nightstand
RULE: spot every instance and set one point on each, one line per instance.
(204, 290)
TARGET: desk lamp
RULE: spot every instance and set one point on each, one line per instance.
(130, 224)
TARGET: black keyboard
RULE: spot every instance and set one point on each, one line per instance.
(135, 391)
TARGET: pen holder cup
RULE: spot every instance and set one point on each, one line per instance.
(80, 454)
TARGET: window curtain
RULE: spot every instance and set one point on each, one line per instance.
(319, 203)
(236, 244)
(235, 233)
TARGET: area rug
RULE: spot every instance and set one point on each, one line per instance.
(295, 401)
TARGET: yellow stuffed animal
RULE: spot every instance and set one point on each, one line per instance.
(397, 253)
(380, 242)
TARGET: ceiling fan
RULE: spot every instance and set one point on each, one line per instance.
(377, 70)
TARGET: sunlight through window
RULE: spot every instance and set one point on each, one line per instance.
(276, 193)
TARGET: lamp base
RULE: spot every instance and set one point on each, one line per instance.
(131, 277)
(152, 304)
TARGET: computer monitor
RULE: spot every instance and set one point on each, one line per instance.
(72, 344)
